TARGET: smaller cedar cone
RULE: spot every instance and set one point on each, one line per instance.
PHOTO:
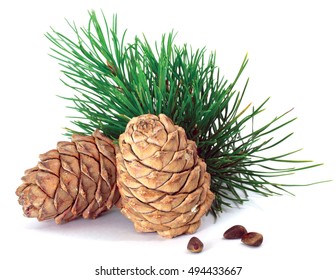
(76, 179)
(163, 183)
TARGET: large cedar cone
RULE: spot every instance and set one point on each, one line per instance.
(163, 183)
(76, 179)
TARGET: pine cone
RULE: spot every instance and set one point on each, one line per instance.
(163, 183)
(77, 178)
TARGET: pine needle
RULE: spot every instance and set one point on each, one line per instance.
(115, 81)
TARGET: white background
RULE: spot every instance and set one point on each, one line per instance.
(291, 46)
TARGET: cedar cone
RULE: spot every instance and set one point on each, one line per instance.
(76, 179)
(163, 183)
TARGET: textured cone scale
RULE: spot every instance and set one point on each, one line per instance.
(76, 179)
(163, 183)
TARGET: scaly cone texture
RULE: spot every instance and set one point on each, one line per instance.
(76, 179)
(163, 183)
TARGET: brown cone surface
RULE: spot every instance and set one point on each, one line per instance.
(163, 183)
(76, 179)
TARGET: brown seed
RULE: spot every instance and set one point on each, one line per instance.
(235, 232)
(252, 239)
(195, 245)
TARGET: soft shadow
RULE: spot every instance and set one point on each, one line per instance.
(111, 226)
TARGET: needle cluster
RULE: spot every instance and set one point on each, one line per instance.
(115, 81)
